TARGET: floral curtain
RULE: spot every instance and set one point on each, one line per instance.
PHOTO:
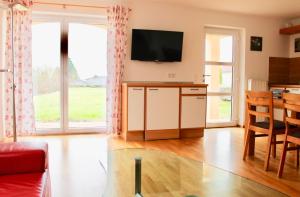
(21, 61)
(26, 3)
(117, 46)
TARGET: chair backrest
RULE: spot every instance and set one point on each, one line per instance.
(291, 104)
(262, 99)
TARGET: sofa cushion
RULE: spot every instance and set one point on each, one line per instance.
(25, 185)
(22, 157)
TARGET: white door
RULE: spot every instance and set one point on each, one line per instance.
(221, 75)
(193, 112)
(136, 105)
(162, 108)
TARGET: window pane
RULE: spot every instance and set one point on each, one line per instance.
(218, 48)
(219, 109)
(218, 78)
(87, 75)
(46, 74)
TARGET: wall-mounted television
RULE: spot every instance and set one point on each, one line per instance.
(154, 45)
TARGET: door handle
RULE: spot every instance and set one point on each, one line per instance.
(138, 89)
(206, 75)
(200, 97)
(153, 89)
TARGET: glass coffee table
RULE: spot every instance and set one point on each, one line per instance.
(167, 174)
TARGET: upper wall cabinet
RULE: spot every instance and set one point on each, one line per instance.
(290, 30)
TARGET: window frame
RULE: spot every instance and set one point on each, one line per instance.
(64, 20)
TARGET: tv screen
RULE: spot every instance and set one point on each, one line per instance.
(152, 45)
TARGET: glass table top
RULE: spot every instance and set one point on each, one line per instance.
(167, 174)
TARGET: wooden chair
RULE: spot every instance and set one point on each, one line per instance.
(292, 134)
(267, 128)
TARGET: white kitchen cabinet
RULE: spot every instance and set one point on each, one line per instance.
(193, 112)
(163, 111)
(136, 103)
(162, 108)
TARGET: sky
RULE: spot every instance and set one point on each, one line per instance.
(87, 47)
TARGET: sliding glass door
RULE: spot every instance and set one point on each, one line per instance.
(46, 60)
(87, 76)
(69, 71)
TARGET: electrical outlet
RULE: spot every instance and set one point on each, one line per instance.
(171, 75)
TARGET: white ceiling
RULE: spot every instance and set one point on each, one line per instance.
(274, 8)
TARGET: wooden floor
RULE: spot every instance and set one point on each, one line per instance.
(223, 148)
(76, 171)
(166, 174)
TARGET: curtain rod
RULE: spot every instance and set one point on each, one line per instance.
(64, 5)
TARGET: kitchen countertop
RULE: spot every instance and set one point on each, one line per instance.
(284, 85)
(163, 84)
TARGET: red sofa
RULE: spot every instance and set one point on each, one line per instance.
(24, 170)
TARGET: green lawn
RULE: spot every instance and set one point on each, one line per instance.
(225, 109)
(85, 104)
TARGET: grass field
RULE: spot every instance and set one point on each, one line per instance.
(225, 109)
(219, 109)
(85, 104)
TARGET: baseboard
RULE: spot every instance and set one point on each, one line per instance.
(192, 133)
(241, 126)
(162, 134)
(134, 136)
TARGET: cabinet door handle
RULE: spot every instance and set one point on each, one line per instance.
(138, 89)
(200, 97)
(153, 89)
(194, 89)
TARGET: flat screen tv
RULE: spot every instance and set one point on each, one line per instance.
(153, 45)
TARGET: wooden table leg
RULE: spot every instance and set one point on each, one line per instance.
(252, 135)
(251, 144)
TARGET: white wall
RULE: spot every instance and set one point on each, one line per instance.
(293, 22)
(292, 46)
(163, 16)
(192, 21)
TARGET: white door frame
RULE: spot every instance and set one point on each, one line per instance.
(235, 33)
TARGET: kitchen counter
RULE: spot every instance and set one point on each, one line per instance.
(163, 84)
(284, 86)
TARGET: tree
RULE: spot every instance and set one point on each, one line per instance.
(47, 79)
(72, 72)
